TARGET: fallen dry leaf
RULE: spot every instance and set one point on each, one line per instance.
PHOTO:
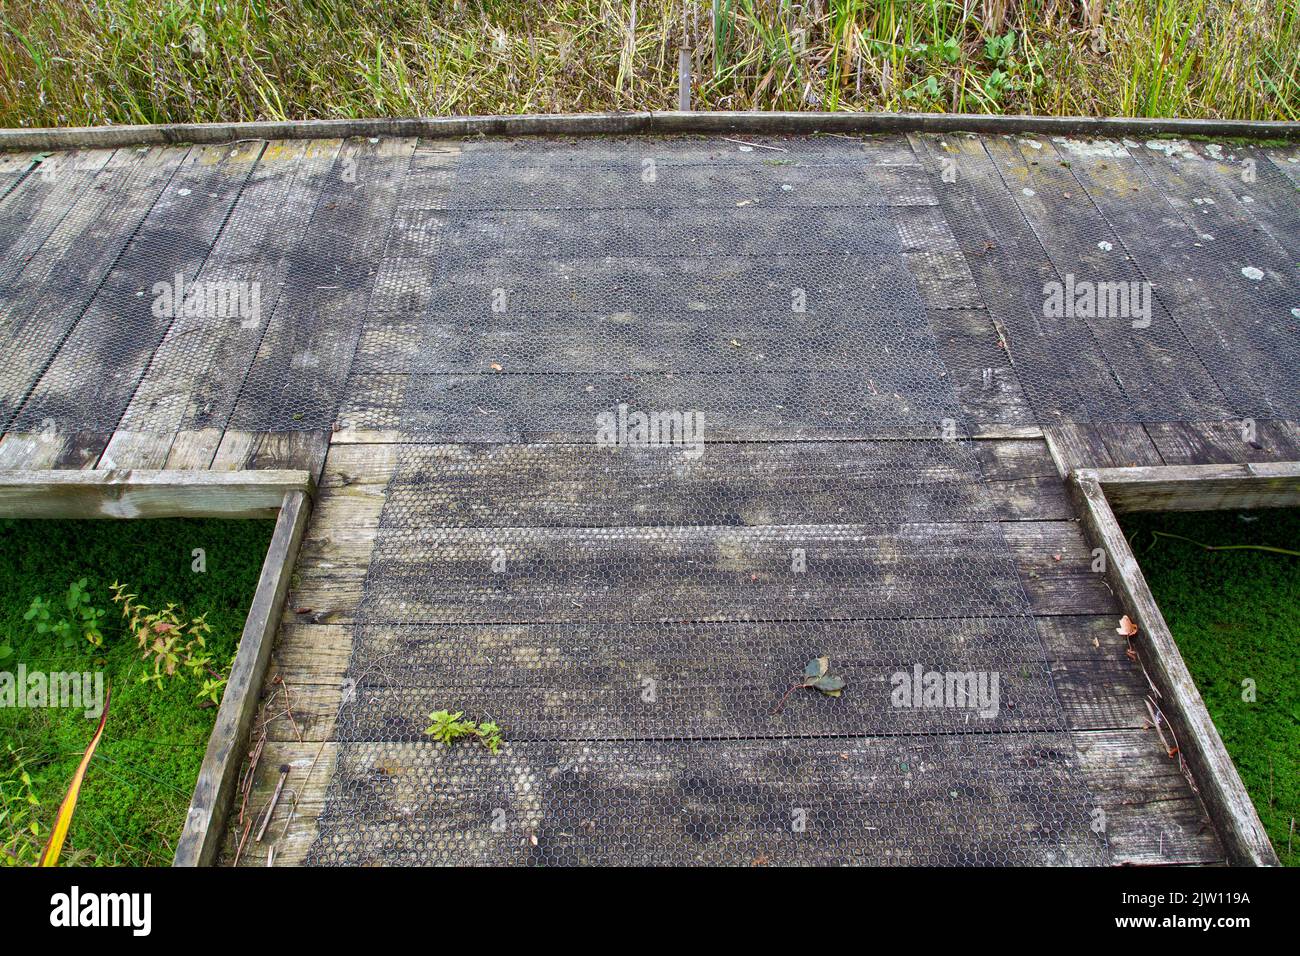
(1126, 627)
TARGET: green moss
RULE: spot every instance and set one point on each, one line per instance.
(1236, 617)
(133, 803)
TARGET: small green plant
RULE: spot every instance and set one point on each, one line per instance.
(947, 49)
(447, 728)
(77, 619)
(211, 691)
(999, 48)
(490, 736)
(20, 832)
(175, 643)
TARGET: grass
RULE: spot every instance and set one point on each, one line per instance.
(133, 804)
(1235, 615)
(88, 62)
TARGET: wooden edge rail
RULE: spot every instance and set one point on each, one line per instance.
(1198, 741)
(1200, 487)
(138, 493)
(583, 124)
(205, 822)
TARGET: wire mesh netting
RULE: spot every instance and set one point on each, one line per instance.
(1132, 283)
(636, 621)
(674, 416)
(634, 611)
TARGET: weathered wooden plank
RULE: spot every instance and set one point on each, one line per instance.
(944, 279)
(200, 839)
(606, 342)
(983, 798)
(307, 654)
(297, 376)
(14, 167)
(1287, 162)
(1200, 487)
(1264, 191)
(727, 484)
(1059, 363)
(50, 296)
(51, 448)
(754, 406)
(302, 450)
(553, 686)
(979, 367)
(197, 369)
(865, 573)
(194, 448)
(1172, 251)
(1117, 444)
(871, 128)
(89, 383)
(1253, 192)
(497, 176)
(1246, 333)
(1208, 443)
(146, 494)
(1147, 359)
(1151, 815)
(1196, 737)
(1000, 459)
(132, 449)
(33, 210)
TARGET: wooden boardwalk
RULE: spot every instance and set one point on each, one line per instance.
(345, 254)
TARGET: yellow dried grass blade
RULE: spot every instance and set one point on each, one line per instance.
(50, 855)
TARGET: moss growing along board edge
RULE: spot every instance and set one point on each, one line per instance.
(133, 803)
(1235, 615)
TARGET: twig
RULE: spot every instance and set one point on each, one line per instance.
(275, 798)
(781, 703)
(239, 851)
(288, 712)
(741, 142)
(246, 785)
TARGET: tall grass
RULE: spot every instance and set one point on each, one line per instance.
(70, 62)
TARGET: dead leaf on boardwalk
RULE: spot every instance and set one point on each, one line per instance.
(1126, 627)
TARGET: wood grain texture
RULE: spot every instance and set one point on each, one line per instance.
(147, 494)
(1197, 738)
(1199, 487)
(204, 822)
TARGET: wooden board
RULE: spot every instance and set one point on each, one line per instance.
(1180, 702)
(96, 371)
(1151, 817)
(205, 820)
(1199, 487)
(51, 295)
(147, 494)
(1080, 242)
